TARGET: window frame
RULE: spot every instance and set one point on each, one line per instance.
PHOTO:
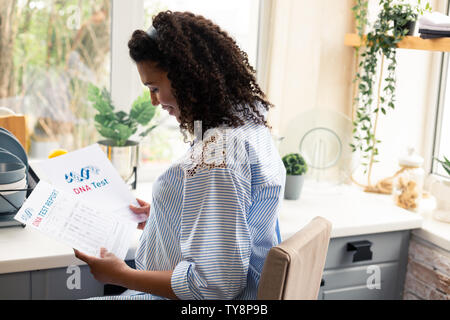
(124, 79)
(439, 113)
(437, 184)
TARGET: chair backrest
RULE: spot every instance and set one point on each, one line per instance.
(293, 269)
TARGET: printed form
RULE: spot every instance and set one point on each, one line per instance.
(67, 219)
(89, 175)
(82, 201)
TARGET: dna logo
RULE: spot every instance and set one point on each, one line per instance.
(85, 174)
(27, 214)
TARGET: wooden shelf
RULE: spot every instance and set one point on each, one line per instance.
(409, 42)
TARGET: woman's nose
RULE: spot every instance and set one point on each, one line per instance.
(155, 99)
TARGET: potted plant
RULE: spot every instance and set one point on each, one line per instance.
(379, 47)
(118, 126)
(445, 164)
(405, 18)
(443, 189)
(296, 168)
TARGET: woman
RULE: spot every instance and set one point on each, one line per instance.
(213, 216)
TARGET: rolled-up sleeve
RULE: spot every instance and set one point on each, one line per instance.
(215, 239)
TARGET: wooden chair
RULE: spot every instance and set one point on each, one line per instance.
(293, 269)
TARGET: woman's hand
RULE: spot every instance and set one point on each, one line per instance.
(143, 209)
(107, 269)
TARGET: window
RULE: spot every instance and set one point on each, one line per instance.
(240, 20)
(442, 134)
(49, 51)
(58, 47)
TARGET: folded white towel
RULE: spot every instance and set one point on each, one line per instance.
(433, 27)
(434, 19)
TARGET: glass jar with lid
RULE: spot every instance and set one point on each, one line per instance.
(408, 183)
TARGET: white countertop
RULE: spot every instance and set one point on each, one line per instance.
(435, 231)
(351, 212)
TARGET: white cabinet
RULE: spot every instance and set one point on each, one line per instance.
(378, 275)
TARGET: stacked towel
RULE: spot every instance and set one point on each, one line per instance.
(434, 25)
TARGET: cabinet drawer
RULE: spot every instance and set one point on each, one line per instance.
(15, 286)
(384, 247)
(352, 283)
(353, 293)
(52, 284)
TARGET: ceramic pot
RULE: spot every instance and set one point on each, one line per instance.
(124, 158)
(293, 187)
(410, 26)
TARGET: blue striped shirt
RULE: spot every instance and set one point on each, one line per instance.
(214, 214)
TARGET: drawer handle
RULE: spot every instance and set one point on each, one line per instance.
(362, 249)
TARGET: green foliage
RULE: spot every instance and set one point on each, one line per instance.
(381, 40)
(119, 126)
(360, 11)
(295, 164)
(445, 164)
(404, 13)
(421, 10)
(58, 47)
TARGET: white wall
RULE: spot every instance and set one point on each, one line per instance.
(309, 65)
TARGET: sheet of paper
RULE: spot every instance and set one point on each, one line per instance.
(70, 220)
(88, 174)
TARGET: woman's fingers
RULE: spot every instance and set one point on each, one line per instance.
(142, 203)
(144, 207)
(103, 252)
(82, 256)
(139, 210)
(141, 225)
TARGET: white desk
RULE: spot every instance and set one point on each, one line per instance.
(351, 211)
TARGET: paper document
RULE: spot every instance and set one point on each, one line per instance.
(89, 175)
(70, 220)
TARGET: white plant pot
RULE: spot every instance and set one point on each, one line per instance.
(125, 158)
(293, 186)
(440, 189)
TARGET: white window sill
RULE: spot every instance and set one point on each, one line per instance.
(435, 231)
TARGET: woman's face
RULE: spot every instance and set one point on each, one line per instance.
(160, 87)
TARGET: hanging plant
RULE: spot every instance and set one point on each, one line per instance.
(379, 47)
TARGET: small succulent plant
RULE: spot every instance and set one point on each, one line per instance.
(295, 164)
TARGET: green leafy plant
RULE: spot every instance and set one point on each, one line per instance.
(295, 164)
(119, 126)
(360, 11)
(445, 164)
(421, 10)
(380, 44)
(404, 14)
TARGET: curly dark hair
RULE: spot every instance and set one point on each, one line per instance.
(211, 77)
